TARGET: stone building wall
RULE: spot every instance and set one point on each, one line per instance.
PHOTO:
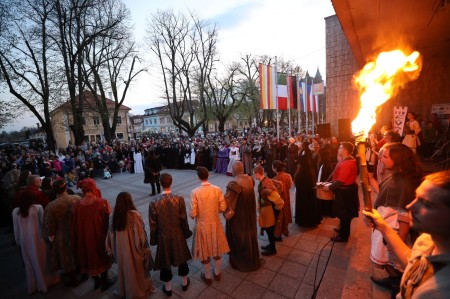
(342, 98)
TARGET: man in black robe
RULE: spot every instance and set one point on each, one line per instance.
(241, 229)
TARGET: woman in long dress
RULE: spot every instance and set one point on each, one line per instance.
(138, 162)
(222, 160)
(307, 211)
(234, 155)
(127, 242)
(28, 220)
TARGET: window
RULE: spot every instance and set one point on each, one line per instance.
(150, 121)
(119, 120)
(96, 120)
(119, 135)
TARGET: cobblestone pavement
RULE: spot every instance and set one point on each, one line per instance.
(292, 273)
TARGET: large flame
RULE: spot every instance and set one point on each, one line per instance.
(378, 81)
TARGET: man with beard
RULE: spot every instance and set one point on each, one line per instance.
(241, 221)
(428, 262)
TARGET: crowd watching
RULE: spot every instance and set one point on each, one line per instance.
(38, 189)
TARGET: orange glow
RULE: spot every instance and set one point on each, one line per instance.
(378, 81)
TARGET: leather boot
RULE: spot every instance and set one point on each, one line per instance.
(97, 282)
(107, 282)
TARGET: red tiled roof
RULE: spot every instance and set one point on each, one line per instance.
(89, 98)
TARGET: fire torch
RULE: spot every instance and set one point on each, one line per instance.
(377, 82)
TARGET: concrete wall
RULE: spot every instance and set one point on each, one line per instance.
(430, 88)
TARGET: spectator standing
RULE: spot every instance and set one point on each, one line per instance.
(33, 185)
(127, 243)
(90, 227)
(207, 201)
(396, 192)
(292, 155)
(58, 227)
(307, 210)
(346, 202)
(269, 206)
(234, 155)
(152, 168)
(28, 234)
(427, 264)
(246, 156)
(412, 131)
(222, 160)
(169, 230)
(281, 227)
(241, 228)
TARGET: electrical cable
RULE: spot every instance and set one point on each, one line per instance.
(316, 288)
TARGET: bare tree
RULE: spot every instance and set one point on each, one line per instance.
(225, 95)
(112, 62)
(78, 23)
(186, 51)
(5, 114)
(25, 57)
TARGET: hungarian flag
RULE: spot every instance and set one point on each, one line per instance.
(267, 86)
(287, 84)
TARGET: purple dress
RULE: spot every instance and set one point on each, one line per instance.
(222, 161)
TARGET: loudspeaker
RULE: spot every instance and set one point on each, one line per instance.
(324, 130)
(344, 129)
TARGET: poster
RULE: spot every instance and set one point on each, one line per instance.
(440, 108)
(399, 119)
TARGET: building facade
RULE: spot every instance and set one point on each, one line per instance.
(62, 119)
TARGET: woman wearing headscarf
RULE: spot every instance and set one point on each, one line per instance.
(89, 230)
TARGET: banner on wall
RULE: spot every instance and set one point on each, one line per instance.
(399, 119)
(440, 108)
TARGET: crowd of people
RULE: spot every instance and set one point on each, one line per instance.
(53, 226)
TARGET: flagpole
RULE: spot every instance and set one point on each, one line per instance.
(276, 99)
(313, 103)
(299, 86)
(306, 104)
(288, 99)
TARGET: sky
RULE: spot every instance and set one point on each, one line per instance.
(292, 29)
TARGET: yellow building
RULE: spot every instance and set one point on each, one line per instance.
(62, 119)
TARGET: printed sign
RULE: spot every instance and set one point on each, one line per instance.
(440, 108)
(399, 119)
(318, 88)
